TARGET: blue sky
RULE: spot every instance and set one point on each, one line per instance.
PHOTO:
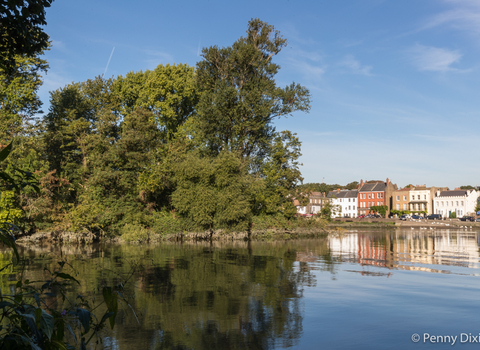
(394, 84)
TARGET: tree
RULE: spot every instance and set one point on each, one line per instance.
(380, 209)
(239, 97)
(352, 185)
(18, 95)
(281, 175)
(21, 32)
(167, 91)
(214, 193)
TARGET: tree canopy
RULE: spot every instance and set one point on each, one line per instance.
(21, 33)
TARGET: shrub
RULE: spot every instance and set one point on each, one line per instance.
(134, 233)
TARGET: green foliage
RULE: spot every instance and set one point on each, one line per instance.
(380, 209)
(134, 233)
(328, 211)
(239, 98)
(467, 187)
(319, 187)
(18, 95)
(21, 30)
(214, 193)
(453, 215)
(281, 175)
(9, 212)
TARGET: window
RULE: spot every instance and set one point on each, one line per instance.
(354, 209)
(311, 201)
(436, 204)
(413, 197)
(424, 196)
(398, 206)
(348, 200)
(404, 206)
(381, 195)
(404, 198)
(456, 204)
(369, 196)
(462, 203)
(369, 204)
(349, 208)
(418, 197)
(398, 198)
(442, 203)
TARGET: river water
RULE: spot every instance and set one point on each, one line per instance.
(354, 290)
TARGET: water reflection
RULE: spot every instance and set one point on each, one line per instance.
(409, 250)
(243, 295)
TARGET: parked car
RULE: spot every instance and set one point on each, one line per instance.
(467, 218)
(434, 217)
(417, 217)
(477, 219)
(404, 217)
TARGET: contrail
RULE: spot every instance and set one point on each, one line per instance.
(108, 61)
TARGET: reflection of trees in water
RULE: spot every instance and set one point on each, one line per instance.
(231, 298)
(204, 296)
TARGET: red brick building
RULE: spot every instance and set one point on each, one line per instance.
(374, 193)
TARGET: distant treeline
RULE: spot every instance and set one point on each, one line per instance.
(325, 188)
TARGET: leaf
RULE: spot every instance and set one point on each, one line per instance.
(66, 276)
(4, 304)
(38, 316)
(6, 151)
(47, 324)
(111, 299)
(83, 346)
(71, 332)
(84, 317)
(59, 345)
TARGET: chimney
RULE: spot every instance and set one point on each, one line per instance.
(388, 181)
(361, 182)
(338, 190)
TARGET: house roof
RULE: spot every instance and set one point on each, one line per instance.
(454, 193)
(343, 194)
(373, 187)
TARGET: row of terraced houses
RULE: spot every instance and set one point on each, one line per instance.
(416, 199)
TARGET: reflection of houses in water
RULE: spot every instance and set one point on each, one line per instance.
(405, 250)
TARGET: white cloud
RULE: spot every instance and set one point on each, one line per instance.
(436, 59)
(355, 66)
(465, 15)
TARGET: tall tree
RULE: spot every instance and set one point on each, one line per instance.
(239, 97)
(18, 95)
(167, 91)
(21, 32)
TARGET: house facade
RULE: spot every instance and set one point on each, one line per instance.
(421, 198)
(460, 202)
(346, 201)
(375, 193)
(316, 201)
(401, 199)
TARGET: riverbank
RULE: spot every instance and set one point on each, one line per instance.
(285, 231)
(443, 224)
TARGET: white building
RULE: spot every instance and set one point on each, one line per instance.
(461, 202)
(346, 200)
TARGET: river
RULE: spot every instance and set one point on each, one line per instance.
(359, 289)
